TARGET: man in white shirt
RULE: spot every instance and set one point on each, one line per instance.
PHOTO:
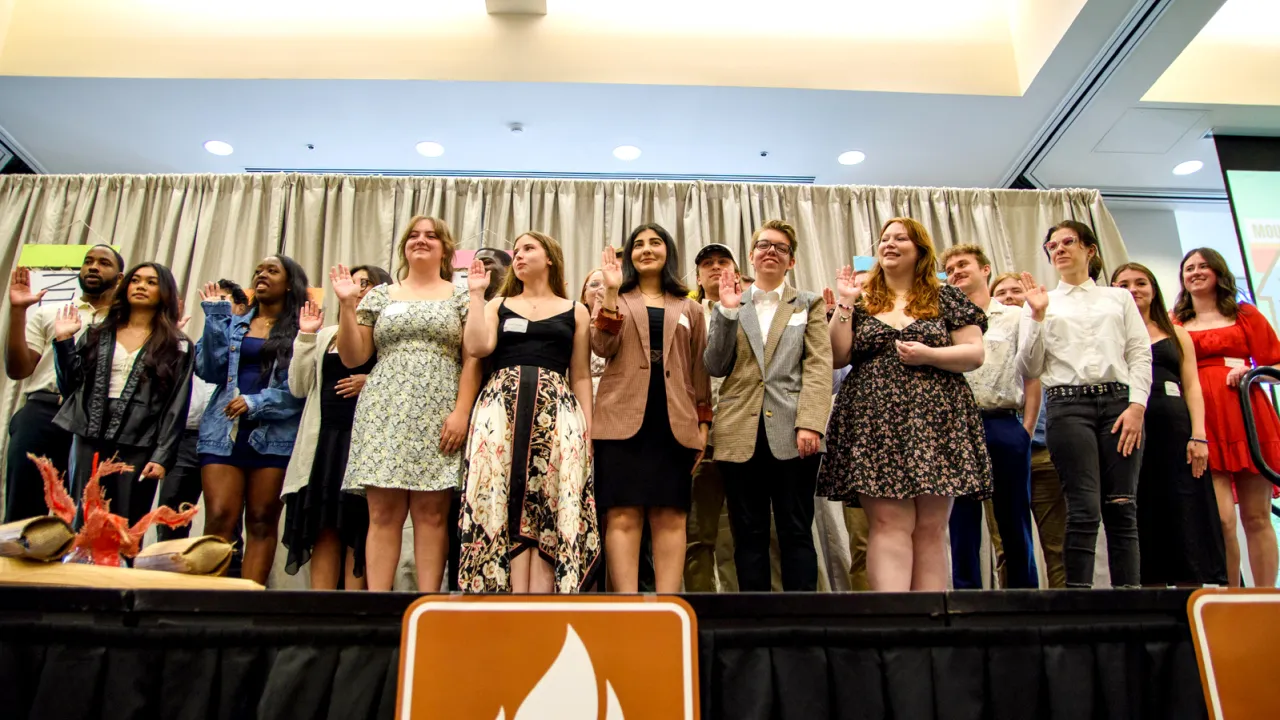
(1002, 394)
(28, 356)
(1089, 346)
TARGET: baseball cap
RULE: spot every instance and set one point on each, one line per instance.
(714, 247)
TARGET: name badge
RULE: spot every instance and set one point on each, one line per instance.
(684, 321)
(394, 308)
(182, 346)
(1171, 389)
(799, 318)
(516, 325)
(1234, 362)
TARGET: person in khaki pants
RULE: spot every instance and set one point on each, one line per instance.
(701, 562)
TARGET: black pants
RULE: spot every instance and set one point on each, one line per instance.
(131, 495)
(181, 484)
(1099, 483)
(750, 489)
(31, 430)
(1010, 448)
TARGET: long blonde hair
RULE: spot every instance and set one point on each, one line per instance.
(447, 246)
(922, 300)
(512, 285)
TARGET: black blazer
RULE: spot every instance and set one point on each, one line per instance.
(146, 415)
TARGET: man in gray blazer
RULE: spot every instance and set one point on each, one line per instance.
(770, 343)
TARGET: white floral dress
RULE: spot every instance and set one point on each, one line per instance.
(395, 441)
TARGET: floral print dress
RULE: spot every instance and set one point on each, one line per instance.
(900, 431)
(529, 481)
(395, 440)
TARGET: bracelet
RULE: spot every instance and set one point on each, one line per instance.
(842, 306)
(844, 318)
(1199, 440)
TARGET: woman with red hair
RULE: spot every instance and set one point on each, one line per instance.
(906, 437)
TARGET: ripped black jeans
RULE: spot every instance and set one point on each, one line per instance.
(1099, 484)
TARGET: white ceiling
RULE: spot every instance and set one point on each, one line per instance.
(73, 125)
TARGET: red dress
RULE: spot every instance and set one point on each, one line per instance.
(1250, 340)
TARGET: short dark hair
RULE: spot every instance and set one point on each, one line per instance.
(1087, 238)
(499, 254)
(671, 282)
(232, 288)
(377, 275)
(115, 253)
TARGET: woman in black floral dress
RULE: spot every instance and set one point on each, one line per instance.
(905, 436)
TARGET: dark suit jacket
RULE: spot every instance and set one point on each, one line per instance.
(624, 387)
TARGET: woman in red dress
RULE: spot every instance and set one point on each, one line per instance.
(1230, 339)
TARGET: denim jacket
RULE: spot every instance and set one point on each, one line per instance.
(218, 362)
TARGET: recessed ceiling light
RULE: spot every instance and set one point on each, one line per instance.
(217, 147)
(430, 149)
(626, 152)
(852, 157)
(1187, 167)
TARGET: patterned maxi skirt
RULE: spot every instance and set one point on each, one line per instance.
(528, 483)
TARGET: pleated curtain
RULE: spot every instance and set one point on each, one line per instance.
(207, 227)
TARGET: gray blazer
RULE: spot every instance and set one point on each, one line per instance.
(784, 373)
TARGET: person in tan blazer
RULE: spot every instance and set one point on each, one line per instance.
(771, 345)
(652, 408)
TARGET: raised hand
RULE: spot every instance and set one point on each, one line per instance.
(730, 289)
(20, 295)
(343, 286)
(183, 317)
(211, 293)
(829, 299)
(1037, 296)
(845, 286)
(310, 318)
(611, 269)
(477, 278)
(66, 323)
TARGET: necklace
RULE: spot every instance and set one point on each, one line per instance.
(651, 297)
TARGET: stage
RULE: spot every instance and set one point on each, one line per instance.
(1065, 655)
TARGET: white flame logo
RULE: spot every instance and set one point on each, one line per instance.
(566, 690)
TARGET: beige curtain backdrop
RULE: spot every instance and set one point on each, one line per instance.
(207, 227)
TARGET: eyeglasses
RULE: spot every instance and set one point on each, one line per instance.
(365, 283)
(1053, 245)
(779, 249)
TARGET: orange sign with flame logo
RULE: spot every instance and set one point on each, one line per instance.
(548, 658)
(1237, 637)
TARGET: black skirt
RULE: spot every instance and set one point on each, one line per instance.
(322, 505)
(650, 468)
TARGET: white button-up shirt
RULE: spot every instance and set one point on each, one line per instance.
(40, 339)
(997, 385)
(1089, 335)
(765, 302)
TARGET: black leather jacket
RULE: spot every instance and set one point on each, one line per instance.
(144, 416)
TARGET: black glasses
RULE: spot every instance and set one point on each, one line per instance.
(365, 283)
(779, 249)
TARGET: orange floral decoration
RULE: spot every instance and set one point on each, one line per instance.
(104, 537)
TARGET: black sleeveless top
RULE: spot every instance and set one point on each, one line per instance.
(544, 343)
(1165, 364)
